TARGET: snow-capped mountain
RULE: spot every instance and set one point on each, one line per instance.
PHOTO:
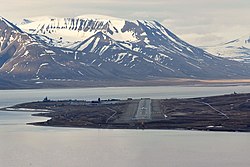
(103, 48)
(71, 30)
(238, 49)
(23, 57)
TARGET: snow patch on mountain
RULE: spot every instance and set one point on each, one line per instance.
(64, 32)
(238, 49)
(103, 48)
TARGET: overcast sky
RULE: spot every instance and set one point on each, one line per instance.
(200, 22)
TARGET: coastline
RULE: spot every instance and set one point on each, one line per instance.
(71, 84)
(213, 113)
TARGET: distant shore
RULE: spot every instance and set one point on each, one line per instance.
(59, 84)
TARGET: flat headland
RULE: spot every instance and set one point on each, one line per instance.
(217, 113)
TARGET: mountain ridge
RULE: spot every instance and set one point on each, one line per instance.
(236, 49)
(123, 50)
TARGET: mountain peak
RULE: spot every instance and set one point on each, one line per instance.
(81, 27)
(237, 49)
(85, 48)
(9, 24)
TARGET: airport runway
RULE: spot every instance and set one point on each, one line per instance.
(143, 110)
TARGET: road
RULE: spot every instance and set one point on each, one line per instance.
(225, 115)
(115, 112)
(143, 110)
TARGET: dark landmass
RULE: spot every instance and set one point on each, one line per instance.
(217, 113)
(109, 62)
(45, 84)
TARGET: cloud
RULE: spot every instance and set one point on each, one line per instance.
(198, 21)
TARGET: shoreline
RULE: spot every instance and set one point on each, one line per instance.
(129, 83)
(227, 113)
(148, 129)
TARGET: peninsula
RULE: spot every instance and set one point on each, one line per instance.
(218, 113)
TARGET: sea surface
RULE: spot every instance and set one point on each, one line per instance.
(24, 145)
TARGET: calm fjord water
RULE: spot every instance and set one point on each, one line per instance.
(22, 145)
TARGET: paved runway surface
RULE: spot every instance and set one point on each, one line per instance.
(144, 110)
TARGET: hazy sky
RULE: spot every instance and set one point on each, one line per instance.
(200, 22)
